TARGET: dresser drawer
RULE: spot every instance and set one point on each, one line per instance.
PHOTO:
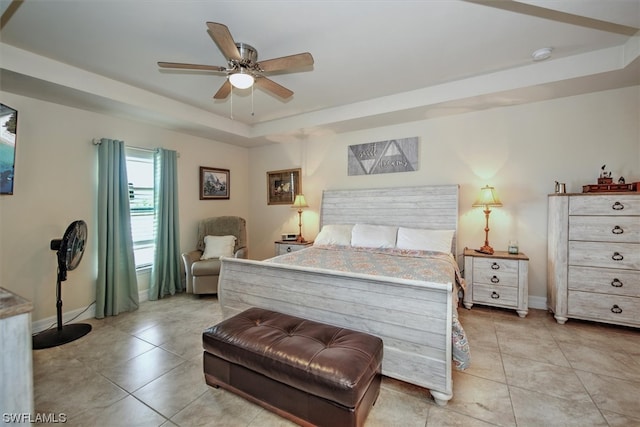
(605, 228)
(607, 255)
(605, 281)
(605, 204)
(495, 271)
(610, 308)
(495, 295)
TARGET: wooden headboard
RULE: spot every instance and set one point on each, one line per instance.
(433, 207)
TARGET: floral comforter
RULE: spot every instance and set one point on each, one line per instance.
(438, 267)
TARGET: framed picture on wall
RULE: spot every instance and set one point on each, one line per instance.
(214, 183)
(282, 186)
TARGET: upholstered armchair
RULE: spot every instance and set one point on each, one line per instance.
(202, 274)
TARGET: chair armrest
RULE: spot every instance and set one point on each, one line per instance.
(191, 257)
(241, 253)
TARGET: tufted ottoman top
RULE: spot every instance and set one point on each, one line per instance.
(330, 362)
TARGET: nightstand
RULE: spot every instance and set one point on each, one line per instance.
(284, 247)
(499, 280)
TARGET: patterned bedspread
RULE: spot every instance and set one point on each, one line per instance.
(435, 267)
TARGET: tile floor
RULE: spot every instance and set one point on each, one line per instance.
(144, 369)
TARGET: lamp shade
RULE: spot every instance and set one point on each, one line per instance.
(487, 197)
(300, 202)
(241, 80)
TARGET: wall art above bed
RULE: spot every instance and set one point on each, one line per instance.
(394, 155)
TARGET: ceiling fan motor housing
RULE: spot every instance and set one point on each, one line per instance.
(248, 53)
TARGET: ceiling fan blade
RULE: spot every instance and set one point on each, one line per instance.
(222, 36)
(273, 87)
(285, 62)
(224, 90)
(182, 66)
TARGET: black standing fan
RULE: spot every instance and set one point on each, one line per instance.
(70, 250)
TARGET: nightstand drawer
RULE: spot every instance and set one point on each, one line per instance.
(495, 295)
(283, 247)
(495, 272)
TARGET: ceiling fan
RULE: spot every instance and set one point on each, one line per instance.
(243, 69)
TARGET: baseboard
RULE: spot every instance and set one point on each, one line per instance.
(88, 312)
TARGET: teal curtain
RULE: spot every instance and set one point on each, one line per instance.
(166, 276)
(117, 287)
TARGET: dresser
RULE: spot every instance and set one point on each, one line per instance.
(593, 257)
(284, 247)
(499, 280)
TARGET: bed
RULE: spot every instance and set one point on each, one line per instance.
(414, 314)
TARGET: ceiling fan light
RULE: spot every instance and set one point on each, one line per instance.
(241, 80)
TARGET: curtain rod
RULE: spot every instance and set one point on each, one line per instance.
(97, 141)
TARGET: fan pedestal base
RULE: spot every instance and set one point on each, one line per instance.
(55, 337)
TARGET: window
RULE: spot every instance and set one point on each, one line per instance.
(141, 200)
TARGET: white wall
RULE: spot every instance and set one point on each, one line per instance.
(55, 184)
(521, 150)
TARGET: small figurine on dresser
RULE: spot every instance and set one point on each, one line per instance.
(605, 177)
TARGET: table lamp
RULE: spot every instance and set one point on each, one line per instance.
(299, 203)
(487, 199)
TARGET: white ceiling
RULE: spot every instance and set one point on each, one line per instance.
(376, 62)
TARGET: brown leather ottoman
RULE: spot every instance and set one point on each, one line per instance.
(308, 372)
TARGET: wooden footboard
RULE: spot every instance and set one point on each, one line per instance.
(413, 318)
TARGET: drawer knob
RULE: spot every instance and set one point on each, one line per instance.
(495, 279)
(496, 295)
(288, 248)
(495, 266)
(615, 309)
(616, 283)
(617, 230)
(617, 206)
(617, 256)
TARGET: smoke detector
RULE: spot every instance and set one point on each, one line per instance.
(542, 54)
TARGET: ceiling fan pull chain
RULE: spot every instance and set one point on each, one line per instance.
(231, 106)
(252, 114)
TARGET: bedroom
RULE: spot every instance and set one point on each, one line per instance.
(521, 150)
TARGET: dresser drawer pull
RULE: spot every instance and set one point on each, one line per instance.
(288, 248)
(495, 266)
(617, 256)
(495, 279)
(615, 309)
(617, 206)
(616, 283)
(496, 295)
(617, 230)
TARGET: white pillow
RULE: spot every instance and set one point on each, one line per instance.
(334, 234)
(217, 246)
(373, 236)
(425, 240)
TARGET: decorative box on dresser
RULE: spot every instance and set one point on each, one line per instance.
(593, 257)
(284, 247)
(499, 279)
